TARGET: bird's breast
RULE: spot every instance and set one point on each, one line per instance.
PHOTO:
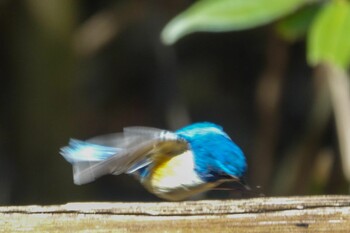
(174, 178)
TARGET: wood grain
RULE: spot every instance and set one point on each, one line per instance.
(274, 214)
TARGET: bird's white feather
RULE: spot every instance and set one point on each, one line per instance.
(176, 178)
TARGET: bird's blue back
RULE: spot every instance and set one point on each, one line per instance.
(216, 155)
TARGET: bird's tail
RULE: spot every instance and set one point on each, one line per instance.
(84, 155)
(81, 151)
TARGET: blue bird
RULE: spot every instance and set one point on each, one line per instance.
(171, 165)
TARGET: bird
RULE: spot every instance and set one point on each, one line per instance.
(172, 165)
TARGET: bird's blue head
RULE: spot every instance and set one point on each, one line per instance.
(216, 156)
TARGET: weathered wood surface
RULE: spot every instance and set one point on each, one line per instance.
(275, 214)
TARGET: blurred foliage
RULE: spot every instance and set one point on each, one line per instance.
(295, 26)
(226, 15)
(329, 37)
(84, 68)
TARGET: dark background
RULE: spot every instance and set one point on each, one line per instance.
(84, 68)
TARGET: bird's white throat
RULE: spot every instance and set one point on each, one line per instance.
(176, 179)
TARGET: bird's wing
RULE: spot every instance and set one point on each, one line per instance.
(116, 140)
(115, 153)
(148, 132)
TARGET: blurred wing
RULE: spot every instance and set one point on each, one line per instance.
(149, 132)
(165, 143)
(114, 153)
(85, 172)
(116, 140)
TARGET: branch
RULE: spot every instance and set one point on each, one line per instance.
(338, 82)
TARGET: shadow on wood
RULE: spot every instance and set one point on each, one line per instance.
(275, 214)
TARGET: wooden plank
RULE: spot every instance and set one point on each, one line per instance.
(274, 214)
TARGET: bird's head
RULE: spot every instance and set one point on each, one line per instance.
(216, 156)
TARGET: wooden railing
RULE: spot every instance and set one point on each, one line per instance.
(274, 214)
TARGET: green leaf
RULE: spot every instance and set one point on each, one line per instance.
(227, 15)
(295, 26)
(329, 36)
